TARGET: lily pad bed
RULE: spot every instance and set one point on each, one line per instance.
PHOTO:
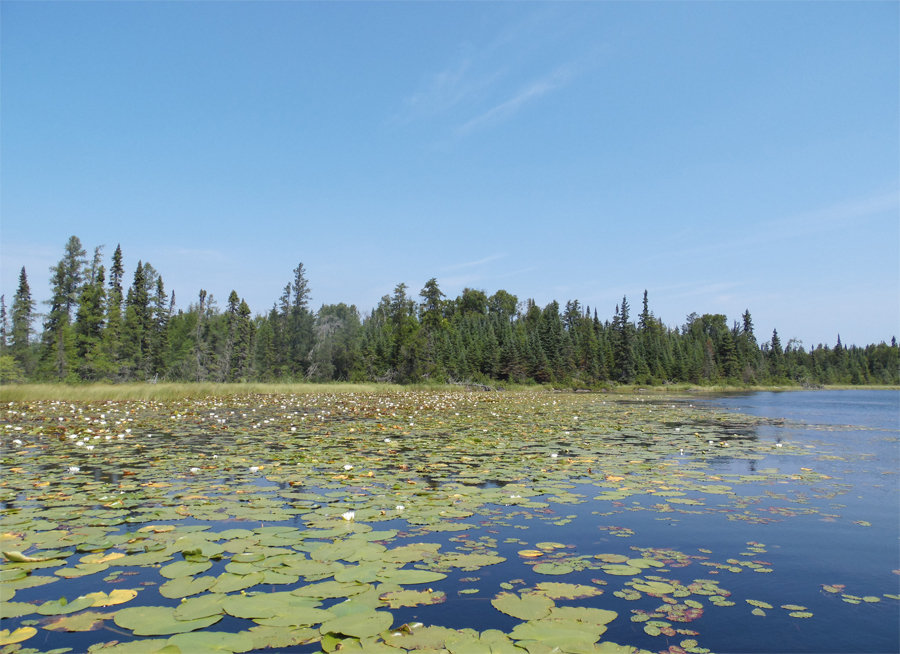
(414, 521)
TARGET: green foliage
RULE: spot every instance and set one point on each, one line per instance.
(93, 333)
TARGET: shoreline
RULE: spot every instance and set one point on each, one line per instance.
(189, 390)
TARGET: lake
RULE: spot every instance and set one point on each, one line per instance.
(760, 522)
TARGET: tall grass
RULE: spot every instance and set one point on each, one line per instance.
(174, 391)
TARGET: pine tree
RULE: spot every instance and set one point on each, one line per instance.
(22, 329)
(432, 307)
(59, 358)
(623, 344)
(89, 322)
(4, 326)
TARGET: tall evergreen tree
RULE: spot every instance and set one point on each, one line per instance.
(89, 321)
(432, 307)
(22, 327)
(623, 350)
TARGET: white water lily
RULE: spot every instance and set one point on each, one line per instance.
(254, 469)
(79, 443)
(74, 469)
(400, 507)
(554, 455)
(777, 444)
(120, 436)
(88, 447)
(349, 515)
(195, 469)
(387, 440)
(17, 441)
(348, 467)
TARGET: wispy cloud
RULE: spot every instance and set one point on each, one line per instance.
(532, 91)
(485, 84)
(470, 264)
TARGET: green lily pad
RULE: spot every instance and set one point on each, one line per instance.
(328, 589)
(529, 606)
(87, 621)
(16, 609)
(757, 603)
(415, 637)
(212, 641)
(61, 607)
(201, 607)
(159, 621)
(800, 614)
(115, 597)
(186, 586)
(655, 587)
(555, 590)
(553, 568)
(563, 634)
(184, 569)
(17, 636)
(359, 624)
(621, 570)
(229, 583)
(399, 598)
(582, 614)
(410, 577)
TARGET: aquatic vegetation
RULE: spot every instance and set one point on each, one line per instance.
(297, 515)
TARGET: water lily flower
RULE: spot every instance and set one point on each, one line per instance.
(400, 507)
(215, 456)
(254, 469)
(348, 467)
(777, 444)
(387, 440)
(17, 441)
(120, 436)
(554, 455)
(74, 469)
(88, 447)
(195, 469)
(349, 515)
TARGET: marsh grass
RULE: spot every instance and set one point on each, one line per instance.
(176, 391)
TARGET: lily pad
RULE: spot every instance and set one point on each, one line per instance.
(212, 641)
(17, 636)
(186, 586)
(87, 621)
(359, 624)
(529, 606)
(159, 621)
(411, 577)
(553, 568)
(61, 607)
(399, 598)
(555, 590)
(115, 597)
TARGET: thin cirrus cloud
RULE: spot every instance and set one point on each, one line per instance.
(470, 264)
(530, 92)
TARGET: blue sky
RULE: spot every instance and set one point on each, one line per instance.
(722, 156)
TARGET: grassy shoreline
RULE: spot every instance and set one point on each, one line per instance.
(175, 391)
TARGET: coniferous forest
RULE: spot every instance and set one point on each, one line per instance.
(101, 325)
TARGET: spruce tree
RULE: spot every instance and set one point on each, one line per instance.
(89, 319)
(432, 307)
(22, 329)
(4, 326)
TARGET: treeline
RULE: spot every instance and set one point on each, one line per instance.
(96, 329)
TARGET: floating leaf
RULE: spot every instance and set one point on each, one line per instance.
(757, 603)
(800, 614)
(61, 606)
(16, 609)
(17, 636)
(212, 641)
(87, 621)
(359, 624)
(529, 606)
(555, 590)
(117, 596)
(399, 598)
(186, 586)
(553, 568)
(793, 607)
(159, 621)
(411, 576)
